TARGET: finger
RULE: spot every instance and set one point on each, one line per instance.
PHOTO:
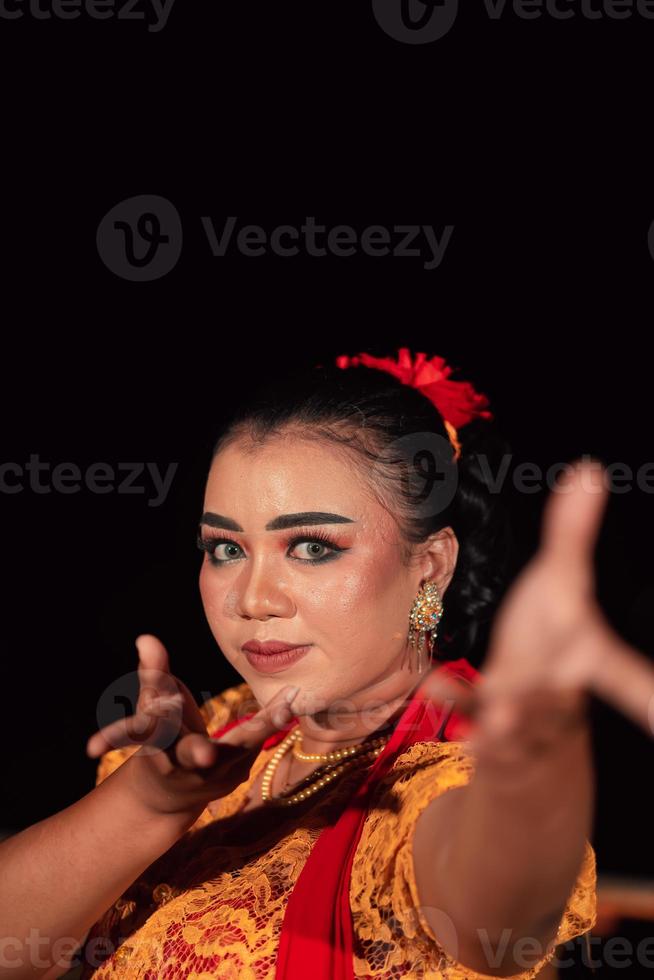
(621, 675)
(268, 720)
(117, 734)
(195, 751)
(158, 723)
(154, 666)
(155, 676)
(572, 516)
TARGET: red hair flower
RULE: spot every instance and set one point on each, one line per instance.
(457, 401)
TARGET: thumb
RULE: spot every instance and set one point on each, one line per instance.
(573, 514)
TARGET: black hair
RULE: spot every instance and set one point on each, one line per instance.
(397, 437)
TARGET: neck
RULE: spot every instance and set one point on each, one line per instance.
(327, 730)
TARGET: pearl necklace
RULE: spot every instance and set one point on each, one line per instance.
(334, 756)
(356, 753)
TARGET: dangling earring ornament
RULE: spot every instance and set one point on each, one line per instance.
(424, 618)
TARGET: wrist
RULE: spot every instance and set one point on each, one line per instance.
(152, 801)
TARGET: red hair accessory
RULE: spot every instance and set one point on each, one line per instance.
(457, 401)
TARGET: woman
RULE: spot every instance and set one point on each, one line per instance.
(346, 851)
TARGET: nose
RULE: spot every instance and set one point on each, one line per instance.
(261, 594)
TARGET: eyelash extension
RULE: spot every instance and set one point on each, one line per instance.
(210, 544)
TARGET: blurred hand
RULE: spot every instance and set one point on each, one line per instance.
(178, 768)
(551, 645)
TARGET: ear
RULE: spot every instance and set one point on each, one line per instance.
(439, 558)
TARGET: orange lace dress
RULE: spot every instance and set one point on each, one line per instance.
(213, 905)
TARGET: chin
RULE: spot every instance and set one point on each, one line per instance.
(303, 703)
(313, 700)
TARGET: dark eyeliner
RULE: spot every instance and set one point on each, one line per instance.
(210, 544)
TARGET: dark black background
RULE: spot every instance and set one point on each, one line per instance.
(530, 137)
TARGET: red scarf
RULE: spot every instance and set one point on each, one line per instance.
(317, 935)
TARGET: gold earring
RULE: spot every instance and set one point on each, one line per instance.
(424, 618)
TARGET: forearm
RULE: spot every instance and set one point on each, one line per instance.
(519, 841)
(59, 875)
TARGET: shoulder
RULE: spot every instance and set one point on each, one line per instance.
(422, 772)
(418, 775)
(450, 762)
(217, 711)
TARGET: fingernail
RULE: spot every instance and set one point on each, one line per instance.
(290, 693)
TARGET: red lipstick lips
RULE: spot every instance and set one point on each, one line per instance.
(273, 655)
(270, 646)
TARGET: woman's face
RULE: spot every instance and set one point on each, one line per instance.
(348, 597)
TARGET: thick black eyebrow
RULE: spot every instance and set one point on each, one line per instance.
(279, 523)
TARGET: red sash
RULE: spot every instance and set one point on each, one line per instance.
(317, 935)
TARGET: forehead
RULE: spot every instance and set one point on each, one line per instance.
(288, 475)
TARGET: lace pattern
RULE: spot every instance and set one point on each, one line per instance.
(393, 938)
(213, 905)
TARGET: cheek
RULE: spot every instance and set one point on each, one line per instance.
(368, 581)
(339, 603)
(203, 584)
(360, 618)
(211, 593)
(371, 596)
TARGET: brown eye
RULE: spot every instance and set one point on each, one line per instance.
(314, 548)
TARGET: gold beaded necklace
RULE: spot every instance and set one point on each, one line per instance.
(351, 755)
(334, 756)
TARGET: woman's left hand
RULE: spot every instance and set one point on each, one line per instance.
(551, 645)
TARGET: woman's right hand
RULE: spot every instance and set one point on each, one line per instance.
(178, 769)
